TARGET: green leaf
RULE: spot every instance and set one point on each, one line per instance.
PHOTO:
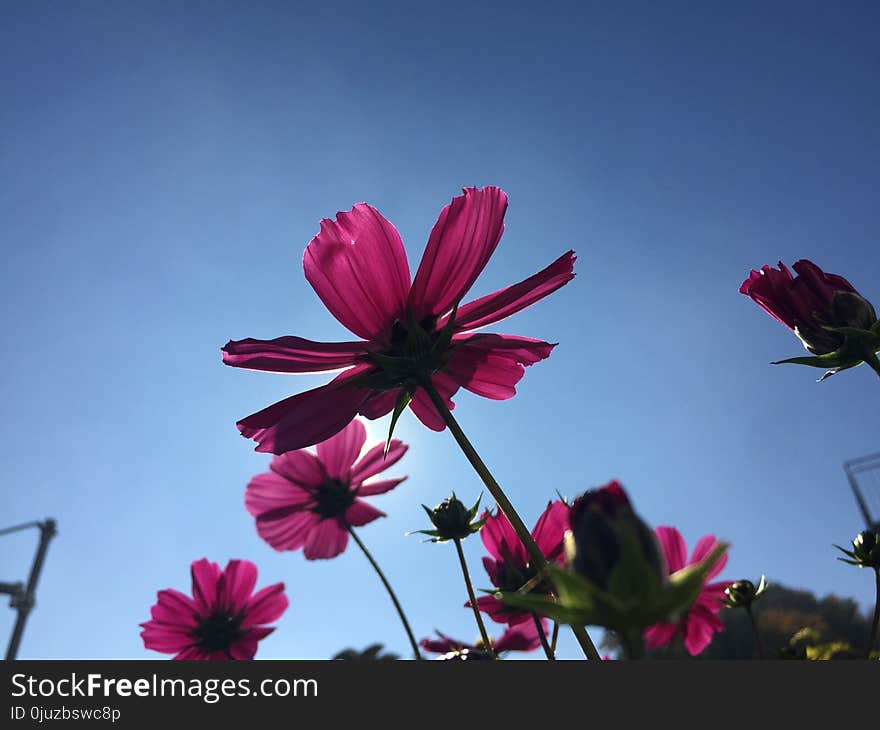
(545, 607)
(402, 402)
(684, 585)
(830, 360)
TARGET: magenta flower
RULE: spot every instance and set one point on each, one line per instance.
(409, 330)
(810, 302)
(701, 620)
(308, 501)
(509, 567)
(522, 637)
(224, 619)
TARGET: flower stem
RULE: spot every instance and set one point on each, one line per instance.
(412, 639)
(501, 499)
(548, 650)
(759, 645)
(554, 637)
(875, 626)
(487, 644)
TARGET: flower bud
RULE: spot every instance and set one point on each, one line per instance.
(601, 521)
(742, 593)
(865, 552)
(452, 520)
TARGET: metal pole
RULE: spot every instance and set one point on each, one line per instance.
(863, 508)
(24, 602)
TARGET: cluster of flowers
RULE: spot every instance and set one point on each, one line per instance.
(590, 562)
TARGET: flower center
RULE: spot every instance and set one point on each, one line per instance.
(333, 498)
(218, 631)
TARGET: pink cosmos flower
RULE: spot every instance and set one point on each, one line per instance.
(522, 637)
(509, 567)
(310, 500)
(224, 619)
(358, 268)
(701, 620)
(809, 302)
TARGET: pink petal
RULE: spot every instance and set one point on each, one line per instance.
(205, 577)
(301, 468)
(460, 245)
(550, 530)
(287, 528)
(245, 648)
(325, 540)
(493, 569)
(378, 487)
(502, 542)
(374, 461)
(491, 365)
(265, 606)
(674, 548)
(521, 637)
(699, 627)
(704, 546)
(191, 653)
(236, 584)
(270, 491)
(163, 638)
(360, 513)
(173, 607)
(422, 406)
(503, 303)
(443, 645)
(339, 452)
(307, 418)
(357, 266)
(660, 634)
(379, 404)
(292, 355)
(500, 612)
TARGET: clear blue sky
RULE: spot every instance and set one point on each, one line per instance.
(163, 165)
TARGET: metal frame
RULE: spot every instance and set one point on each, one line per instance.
(23, 597)
(857, 466)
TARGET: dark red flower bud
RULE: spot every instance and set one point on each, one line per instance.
(601, 519)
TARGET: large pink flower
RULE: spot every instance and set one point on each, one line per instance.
(310, 500)
(509, 567)
(701, 620)
(522, 637)
(358, 267)
(224, 619)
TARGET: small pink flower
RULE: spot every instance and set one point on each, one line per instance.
(358, 268)
(509, 567)
(809, 302)
(522, 637)
(224, 619)
(308, 501)
(701, 620)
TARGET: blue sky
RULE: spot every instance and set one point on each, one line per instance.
(163, 165)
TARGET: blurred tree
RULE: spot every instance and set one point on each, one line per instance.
(793, 623)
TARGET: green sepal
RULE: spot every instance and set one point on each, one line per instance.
(403, 400)
(582, 603)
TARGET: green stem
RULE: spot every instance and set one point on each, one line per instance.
(875, 626)
(554, 637)
(537, 557)
(759, 645)
(487, 643)
(412, 639)
(548, 650)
